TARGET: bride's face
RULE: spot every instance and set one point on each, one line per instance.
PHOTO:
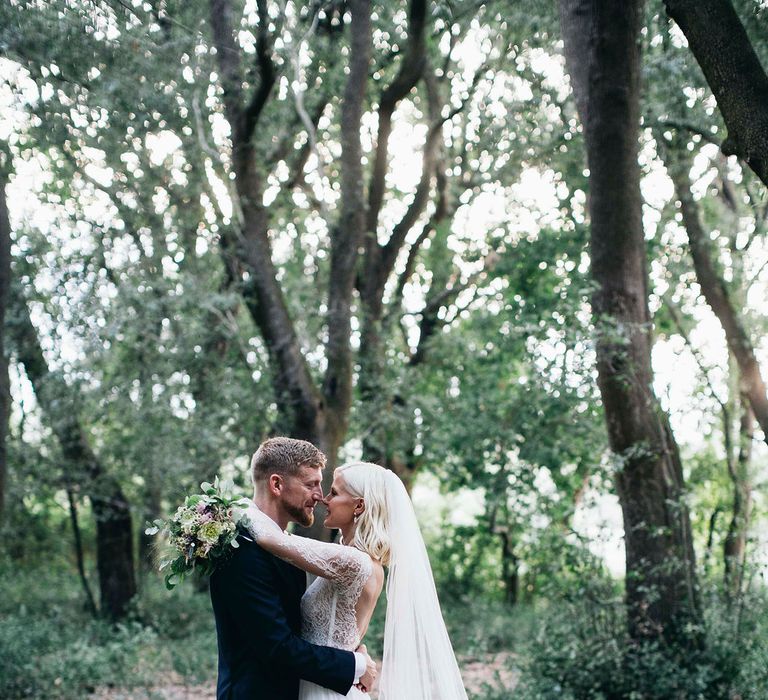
(341, 504)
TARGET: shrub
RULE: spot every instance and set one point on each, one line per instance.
(56, 658)
(581, 651)
(51, 648)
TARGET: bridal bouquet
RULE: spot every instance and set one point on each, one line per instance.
(202, 532)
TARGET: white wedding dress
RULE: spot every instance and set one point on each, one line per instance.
(328, 607)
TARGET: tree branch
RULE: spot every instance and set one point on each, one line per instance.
(347, 235)
(411, 68)
(692, 128)
(228, 58)
(720, 44)
(717, 295)
(267, 75)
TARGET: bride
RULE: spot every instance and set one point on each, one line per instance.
(371, 507)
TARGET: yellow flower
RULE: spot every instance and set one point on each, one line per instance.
(209, 532)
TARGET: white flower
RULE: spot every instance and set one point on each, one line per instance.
(188, 521)
(209, 532)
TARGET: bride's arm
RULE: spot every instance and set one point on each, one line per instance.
(332, 561)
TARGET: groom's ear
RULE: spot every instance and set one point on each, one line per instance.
(275, 484)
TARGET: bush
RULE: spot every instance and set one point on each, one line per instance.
(581, 651)
(51, 648)
(55, 658)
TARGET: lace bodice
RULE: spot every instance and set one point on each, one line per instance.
(328, 606)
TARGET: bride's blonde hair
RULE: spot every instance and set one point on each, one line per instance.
(368, 481)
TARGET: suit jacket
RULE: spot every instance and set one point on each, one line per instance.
(256, 601)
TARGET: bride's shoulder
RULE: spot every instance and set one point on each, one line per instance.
(376, 578)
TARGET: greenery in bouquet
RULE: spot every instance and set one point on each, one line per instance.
(202, 532)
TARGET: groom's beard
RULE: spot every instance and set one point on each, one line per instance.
(300, 515)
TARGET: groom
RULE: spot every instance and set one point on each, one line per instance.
(256, 596)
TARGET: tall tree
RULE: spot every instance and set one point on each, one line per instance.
(735, 543)
(292, 163)
(727, 301)
(661, 591)
(320, 415)
(114, 531)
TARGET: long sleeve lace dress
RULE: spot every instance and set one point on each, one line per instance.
(329, 605)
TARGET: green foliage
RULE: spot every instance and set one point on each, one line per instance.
(51, 657)
(133, 289)
(466, 562)
(581, 650)
(50, 647)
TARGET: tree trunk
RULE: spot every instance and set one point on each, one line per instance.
(320, 415)
(5, 277)
(510, 569)
(249, 249)
(739, 83)
(734, 547)
(114, 531)
(79, 557)
(711, 529)
(717, 295)
(347, 234)
(379, 402)
(661, 592)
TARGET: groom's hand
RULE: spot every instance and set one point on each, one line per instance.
(366, 681)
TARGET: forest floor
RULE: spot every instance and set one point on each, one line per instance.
(496, 670)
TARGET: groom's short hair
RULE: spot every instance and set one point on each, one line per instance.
(284, 456)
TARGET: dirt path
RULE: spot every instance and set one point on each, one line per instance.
(495, 669)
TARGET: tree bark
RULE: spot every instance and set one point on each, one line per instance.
(718, 297)
(661, 591)
(249, 250)
(114, 532)
(575, 19)
(347, 235)
(320, 415)
(735, 545)
(346, 238)
(79, 557)
(379, 260)
(5, 278)
(510, 569)
(720, 44)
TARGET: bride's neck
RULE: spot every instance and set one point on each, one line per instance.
(348, 534)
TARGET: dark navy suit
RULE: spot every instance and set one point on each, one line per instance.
(256, 601)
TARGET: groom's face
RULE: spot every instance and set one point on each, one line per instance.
(301, 493)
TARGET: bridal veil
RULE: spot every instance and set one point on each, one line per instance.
(419, 663)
